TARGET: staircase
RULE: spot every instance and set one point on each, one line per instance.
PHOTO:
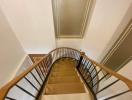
(67, 74)
(64, 82)
(64, 78)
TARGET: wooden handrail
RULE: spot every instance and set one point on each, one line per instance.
(127, 81)
(122, 78)
(9, 85)
(4, 90)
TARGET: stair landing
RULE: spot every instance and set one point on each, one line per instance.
(64, 78)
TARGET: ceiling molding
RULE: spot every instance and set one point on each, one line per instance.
(57, 6)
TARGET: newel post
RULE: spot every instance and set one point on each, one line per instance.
(80, 60)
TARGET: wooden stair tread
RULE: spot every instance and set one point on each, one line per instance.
(64, 88)
(75, 96)
(64, 79)
(64, 69)
(63, 73)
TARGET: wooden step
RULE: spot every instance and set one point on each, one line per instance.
(64, 88)
(63, 68)
(63, 73)
(64, 79)
(76, 96)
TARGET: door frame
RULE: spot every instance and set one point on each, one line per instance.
(117, 43)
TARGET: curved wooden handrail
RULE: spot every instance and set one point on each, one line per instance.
(127, 81)
(4, 90)
(65, 48)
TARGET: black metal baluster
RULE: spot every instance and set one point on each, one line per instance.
(89, 78)
(44, 67)
(86, 72)
(57, 53)
(53, 59)
(93, 73)
(39, 67)
(60, 52)
(75, 55)
(66, 53)
(116, 95)
(100, 80)
(94, 96)
(46, 61)
(71, 54)
(85, 67)
(25, 91)
(63, 52)
(78, 55)
(49, 62)
(31, 84)
(92, 69)
(35, 78)
(81, 59)
(43, 71)
(81, 66)
(108, 86)
(10, 98)
(96, 75)
(90, 65)
(54, 55)
(38, 74)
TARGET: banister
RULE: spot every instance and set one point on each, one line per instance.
(5, 89)
(124, 79)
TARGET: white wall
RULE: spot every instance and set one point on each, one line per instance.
(127, 70)
(32, 23)
(11, 52)
(73, 43)
(107, 16)
(123, 24)
(26, 63)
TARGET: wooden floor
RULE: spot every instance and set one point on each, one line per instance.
(36, 57)
(64, 78)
